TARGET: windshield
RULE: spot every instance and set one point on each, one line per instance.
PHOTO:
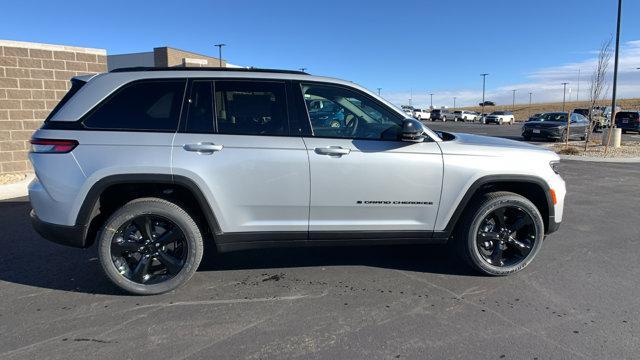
(498, 113)
(553, 117)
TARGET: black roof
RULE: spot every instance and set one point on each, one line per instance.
(148, 68)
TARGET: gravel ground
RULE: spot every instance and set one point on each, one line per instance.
(11, 178)
(629, 149)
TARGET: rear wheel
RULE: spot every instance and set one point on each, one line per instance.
(500, 234)
(150, 246)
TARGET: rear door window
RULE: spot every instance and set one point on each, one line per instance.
(251, 108)
(152, 105)
(200, 112)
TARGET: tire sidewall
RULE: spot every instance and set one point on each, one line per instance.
(164, 209)
(481, 213)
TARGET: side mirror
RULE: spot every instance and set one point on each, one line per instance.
(413, 131)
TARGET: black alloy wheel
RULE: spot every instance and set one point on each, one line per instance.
(149, 249)
(506, 236)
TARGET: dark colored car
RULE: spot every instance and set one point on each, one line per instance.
(628, 121)
(326, 114)
(554, 126)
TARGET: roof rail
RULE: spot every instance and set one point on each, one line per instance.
(149, 68)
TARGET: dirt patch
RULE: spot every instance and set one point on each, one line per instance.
(11, 178)
(629, 149)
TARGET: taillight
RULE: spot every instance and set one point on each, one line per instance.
(52, 146)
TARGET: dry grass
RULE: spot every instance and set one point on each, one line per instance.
(522, 111)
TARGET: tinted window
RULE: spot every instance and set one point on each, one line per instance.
(200, 114)
(75, 86)
(251, 108)
(144, 105)
(353, 115)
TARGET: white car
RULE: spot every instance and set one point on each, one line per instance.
(422, 114)
(500, 117)
(466, 115)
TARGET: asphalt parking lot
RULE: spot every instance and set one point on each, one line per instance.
(513, 132)
(580, 298)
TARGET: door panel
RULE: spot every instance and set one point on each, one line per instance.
(253, 183)
(372, 185)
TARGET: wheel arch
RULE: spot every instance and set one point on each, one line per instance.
(112, 191)
(531, 187)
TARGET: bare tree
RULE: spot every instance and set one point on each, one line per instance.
(598, 85)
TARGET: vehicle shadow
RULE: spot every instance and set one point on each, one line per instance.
(27, 259)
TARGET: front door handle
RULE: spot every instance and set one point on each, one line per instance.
(204, 148)
(332, 151)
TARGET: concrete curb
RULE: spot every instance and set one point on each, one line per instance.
(19, 189)
(601, 159)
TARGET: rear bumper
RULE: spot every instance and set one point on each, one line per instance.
(629, 127)
(61, 234)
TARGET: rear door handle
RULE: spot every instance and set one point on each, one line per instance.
(332, 151)
(204, 148)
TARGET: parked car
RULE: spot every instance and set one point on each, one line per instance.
(628, 121)
(500, 117)
(324, 113)
(422, 114)
(554, 126)
(408, 110)
(443, 115)
(597, 117)
(466, 115)
(154, 164)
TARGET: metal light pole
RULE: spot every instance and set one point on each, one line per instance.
(431, 100)
(578, 90)
(615, 77)
(564, 94)
(513, 102)
(220, 53)
(454, 103)
(379, 91)
(530, 94)
(484, 77)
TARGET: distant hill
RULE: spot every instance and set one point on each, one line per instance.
(523, 111)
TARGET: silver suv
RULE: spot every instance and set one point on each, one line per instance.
(155, 164)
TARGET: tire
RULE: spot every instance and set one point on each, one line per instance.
(564, 137)
(467, 232)
(526, 137)
(500, 122)
(184, 255)
(624, 131)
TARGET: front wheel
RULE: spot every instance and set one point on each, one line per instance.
(500, 234)
(150, 246)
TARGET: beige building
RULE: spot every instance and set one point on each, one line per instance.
(33, 78)
(164, 57)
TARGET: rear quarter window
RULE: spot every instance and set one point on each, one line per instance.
(152, 105)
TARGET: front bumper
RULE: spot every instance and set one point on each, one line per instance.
(61, 234)
(550, 133)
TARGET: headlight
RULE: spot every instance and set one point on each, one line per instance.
(555, 165)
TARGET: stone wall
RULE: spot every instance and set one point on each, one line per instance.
(33, 78)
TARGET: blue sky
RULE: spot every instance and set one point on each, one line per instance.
(401, 46)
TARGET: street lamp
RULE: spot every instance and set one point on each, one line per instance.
(615, 77)
(431, 100)
(564, 94)
(513, 102)
(220, 52)
(379, 91)
(530, 94)
(454, 103)
(484, 77)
